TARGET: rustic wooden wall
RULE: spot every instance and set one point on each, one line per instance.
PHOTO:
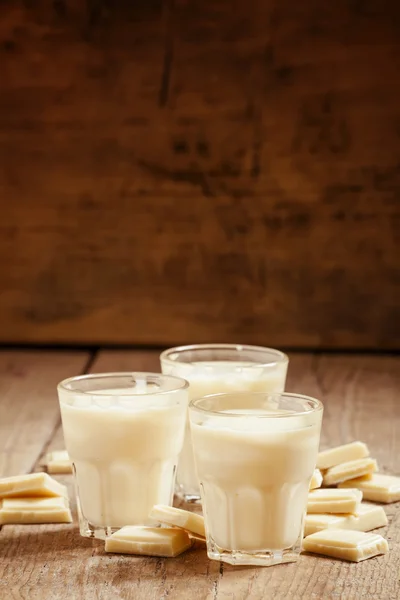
(200, 170)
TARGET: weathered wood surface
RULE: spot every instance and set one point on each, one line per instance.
(200, 171)
(29, 412)
(53, 563)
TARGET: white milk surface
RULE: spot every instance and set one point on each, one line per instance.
(254, 474)
(215, 378)
(125, 452)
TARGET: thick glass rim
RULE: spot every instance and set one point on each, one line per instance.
(316, 405)
(177, 384)
(279, 356)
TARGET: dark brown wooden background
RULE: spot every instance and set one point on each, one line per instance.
(205, 170)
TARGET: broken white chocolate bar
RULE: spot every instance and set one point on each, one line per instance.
(34, 510)
(334, 501)
(350, 470)
(368, 516)
(378, 488)
(316, 480)
(149, 541)
(346, 544)
(340, 454)
(58, 462)
(32, 485)
(168, 515)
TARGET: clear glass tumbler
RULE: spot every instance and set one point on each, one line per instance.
(255, 455)
(215, 368)
(123, 433)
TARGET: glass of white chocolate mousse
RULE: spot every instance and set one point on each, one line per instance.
(216, 368)
(123, 433)
(255, 454)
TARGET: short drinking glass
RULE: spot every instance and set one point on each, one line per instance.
(255, 454)
(123, 433)
(215, 368)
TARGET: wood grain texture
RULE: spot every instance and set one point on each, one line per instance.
(200, 171)
(360, 397)
(29, 413)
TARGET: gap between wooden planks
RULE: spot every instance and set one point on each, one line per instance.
(54, 562)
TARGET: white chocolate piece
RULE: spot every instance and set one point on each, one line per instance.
(316, 480)
(346, 544)
(334, 501)
(34, 510)
(31, 486)
(314, 522)
(369, 516)
(58, 462)
(350, 470)
(176, 517)
(340, 454)
(378, 488)
(149, 541)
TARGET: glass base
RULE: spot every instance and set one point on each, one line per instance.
(191, 497)
(88, 530)
(260, 558)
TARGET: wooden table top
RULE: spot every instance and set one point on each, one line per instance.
(52, 562)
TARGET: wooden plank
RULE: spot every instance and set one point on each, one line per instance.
(360, 397)
(58, 564)
(29, 413)
(202, 171)
(359, 393)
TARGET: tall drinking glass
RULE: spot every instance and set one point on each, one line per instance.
(123, 433)
(255, 455)
(215, 368)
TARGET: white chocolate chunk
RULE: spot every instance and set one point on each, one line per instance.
(340, 454)
(346, 544)
(334, 501)
(378, 488)
(368, 516)
(176, 517)
(32, 485)
(34, 510)
(149, 541)
(58, 461)
(350, 470)
(316, 480)
(314, 522)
